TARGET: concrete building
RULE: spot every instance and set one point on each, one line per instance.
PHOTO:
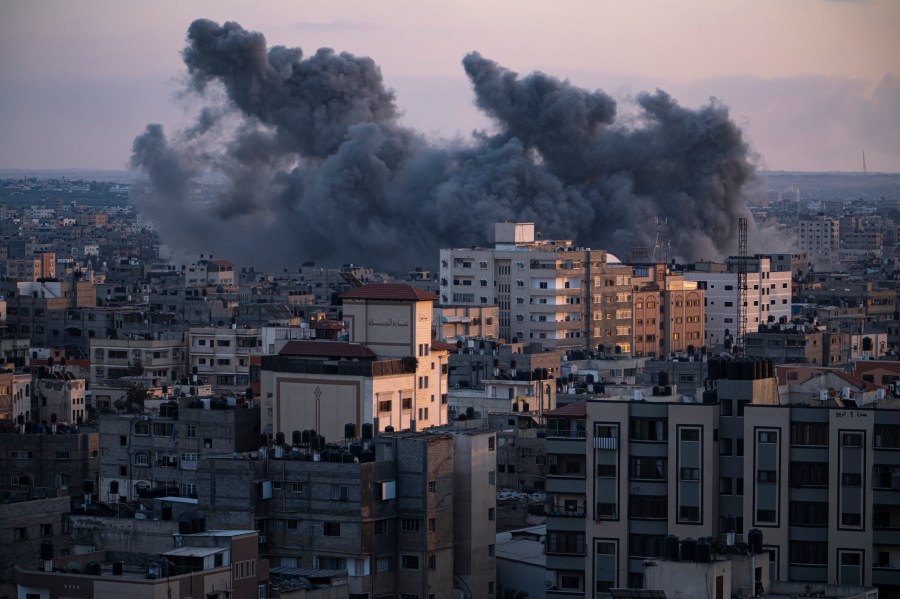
(15, 396)
(816, 477)
(522, 563)
(25, 524)
(158, 453)
(64, 464)
(412, 515)
(668, 312)
(204, 565)
(58, 398)
(221, 355)
(791, 344)
(458, 322)
(768, 299)
(390, 374)
(161, 358)
(551, 292)
(819, 237)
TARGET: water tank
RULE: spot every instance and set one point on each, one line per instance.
(704, 551)
(185, 527)
(46, 549)
(296, 438)
(89, 486)
(389, 429)
(93, 568)
(746, 370)
(755, 540)
(367, 456)
(367, 430)
(279, 438)
(264, 440)
(714, 370)
(347, 457)
(118, 568)
(688, 550)
(670, 548)
(663, 379)
(320, 443)
(350, 430)
(355, 449)
(734, 370)
(710, 396)
(304, 437)
(167, 512)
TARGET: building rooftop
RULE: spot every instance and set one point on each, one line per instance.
(326, 349)
(390, 292)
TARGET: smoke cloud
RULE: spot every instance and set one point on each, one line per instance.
(315, 163)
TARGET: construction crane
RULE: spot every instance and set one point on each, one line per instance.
(742, 285)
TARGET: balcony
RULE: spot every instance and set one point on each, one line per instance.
(885, 576)
(565, 484)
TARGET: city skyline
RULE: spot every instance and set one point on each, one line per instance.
(812, 84)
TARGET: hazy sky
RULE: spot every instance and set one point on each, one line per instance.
(813, 83)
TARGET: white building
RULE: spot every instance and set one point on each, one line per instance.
(549, 291)
(768, 298)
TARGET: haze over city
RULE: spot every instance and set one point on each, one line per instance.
(812, 84)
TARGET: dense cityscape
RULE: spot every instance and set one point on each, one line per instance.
(522, 417)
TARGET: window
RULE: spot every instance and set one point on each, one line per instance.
(851, 440)
(809, 433)
(765, 515)
(432, 562)
(648, 468)
(808, 552)
(381, 528)
(492, 514)
(808, 513)
(651, 507)
(141, 459)
(62, 455)
(606, 470)
(383, 564)
(492, 477)
(409, 562)
(431, 486)
(766, 476)
(809, 474)
(340, 492)
(491, 550)
(649, 429)
(432, 524)
(384, 406)
(409, 525)
(768, 437)
(292, 524)
(331, 529)
(20, 533)
(191, 431)
(689, 513)
(690, 474)
(492, 443)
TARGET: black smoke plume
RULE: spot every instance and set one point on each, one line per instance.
(316, 164)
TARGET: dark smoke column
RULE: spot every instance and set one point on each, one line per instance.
(315, 163)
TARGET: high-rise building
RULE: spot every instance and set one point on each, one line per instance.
(548, 291)
(768, 298)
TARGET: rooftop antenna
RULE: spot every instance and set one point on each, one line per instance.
(658, 245)
(742, 282)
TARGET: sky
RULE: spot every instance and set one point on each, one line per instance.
(812, 83)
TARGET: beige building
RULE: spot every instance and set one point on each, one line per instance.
(221, 355)
(548, 291)
(820, 238)
(161, 360)
(668, 312)
(390, 374)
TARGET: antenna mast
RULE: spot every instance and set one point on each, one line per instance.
(865, 172)
(742, 283)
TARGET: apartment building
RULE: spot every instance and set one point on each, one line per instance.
(768, 298)
(221, 355)
(162, 358)
(817, 479)
(157, 453)
(15, 396)
(819, 237)
(413, 515)
(214, 564)
(390, 373)
(668, 312)
(548, 291)
(26, 524)
(65, 464)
